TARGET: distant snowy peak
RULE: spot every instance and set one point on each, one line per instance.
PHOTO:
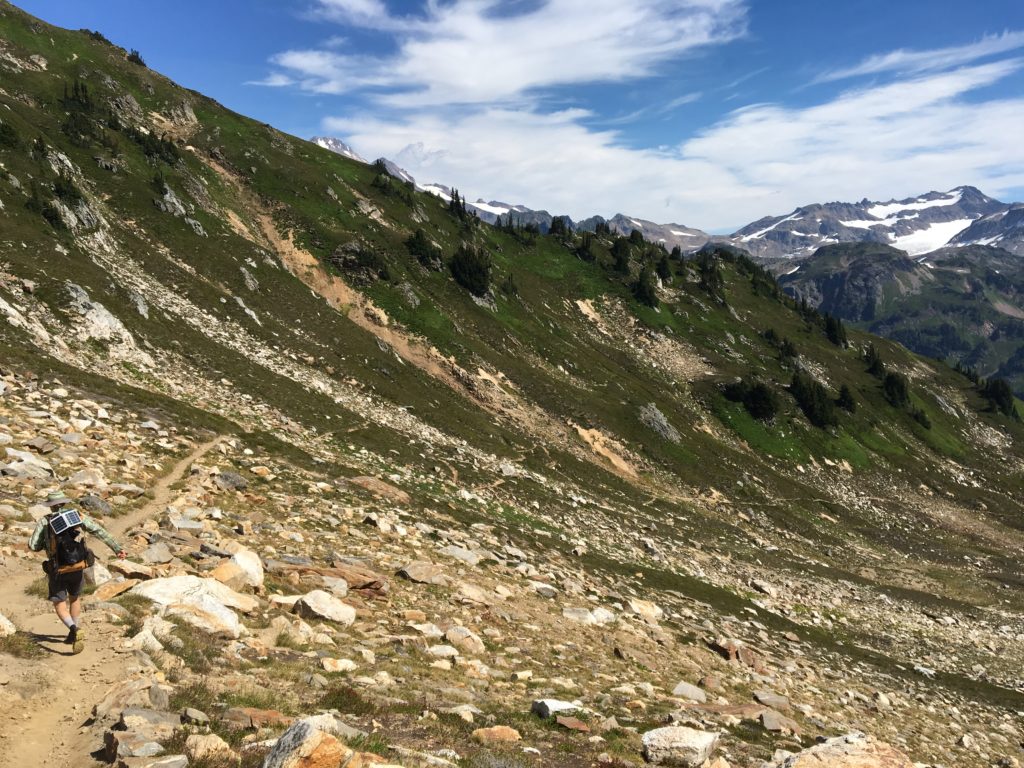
(338, 146)
(916, 225)
(1002, 229)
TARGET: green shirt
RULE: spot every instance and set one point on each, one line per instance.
(37, 542)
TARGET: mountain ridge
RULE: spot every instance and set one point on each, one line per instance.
(470, 471)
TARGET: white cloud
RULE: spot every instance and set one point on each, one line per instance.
(930, 60)
(474, 52)
(895, 140)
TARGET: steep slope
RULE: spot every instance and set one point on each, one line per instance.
(547, 436)
(916, 225)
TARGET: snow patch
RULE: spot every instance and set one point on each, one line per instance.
(761, 233)
(885, 210)
(495, 209)
(931, 238)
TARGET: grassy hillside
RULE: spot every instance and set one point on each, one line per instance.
(163, 250)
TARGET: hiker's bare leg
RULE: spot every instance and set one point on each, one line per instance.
(62, 610)
(76, 609)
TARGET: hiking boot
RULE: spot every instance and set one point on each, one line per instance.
(78, 643)
(72, 636)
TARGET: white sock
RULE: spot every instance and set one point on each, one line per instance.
(68, 622)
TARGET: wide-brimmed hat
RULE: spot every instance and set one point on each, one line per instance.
(57, 499)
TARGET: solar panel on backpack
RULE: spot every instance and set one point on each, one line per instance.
(65, 520)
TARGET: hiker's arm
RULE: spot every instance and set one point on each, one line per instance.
(100, 533)
(37, 541)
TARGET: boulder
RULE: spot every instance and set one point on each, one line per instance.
(97, 574)
(678, 746)
(210, 748)
(251, 566)
(192, 589)
(337, 665)
(646, 610)
(465, 640)
(382, 489)
(112, 589)
(462, 554)
(422, 572)
(545, 708)
(231, 481)
(131, 570)
(322, 605)
(688, 691)
(854, 750)
(7, 628)
(496, 734)
(208, 614)
(158, 554)
(772, 699)
(305, 746)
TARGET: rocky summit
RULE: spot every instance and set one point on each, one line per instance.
(399, 487)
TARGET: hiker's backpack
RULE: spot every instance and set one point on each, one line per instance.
(68, 553)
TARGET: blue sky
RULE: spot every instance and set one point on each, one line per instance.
(709, 113)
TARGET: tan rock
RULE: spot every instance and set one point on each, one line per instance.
(303, 746)
(496, 734)
(851, 751)
(382, 489)
(209, 748)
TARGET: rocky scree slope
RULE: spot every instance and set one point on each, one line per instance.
(434, 483)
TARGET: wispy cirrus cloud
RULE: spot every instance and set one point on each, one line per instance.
(913, 62)
(899, 139)
(483, 51)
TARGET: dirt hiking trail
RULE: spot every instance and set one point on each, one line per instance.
(48, 729)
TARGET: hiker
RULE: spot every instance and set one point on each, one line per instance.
(67, 558)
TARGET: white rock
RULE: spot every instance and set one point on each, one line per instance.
(321, 605)
(7, 628)
(251, 565)
(688, 691)
(206, 613)
(678, 746)
(191, 589)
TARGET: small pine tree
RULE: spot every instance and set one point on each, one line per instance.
(664, 268)
(677, 253)
(1000, 397)
(9, 138)
(846, 400)
(788, 350)
(621, 254)
(645, 290)
(759, 400)
(559, 227)
(136, 58)
(471, 268)
(636, 237)
(835, 331)
(896, 389)
(876, 366)
(813, 400)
